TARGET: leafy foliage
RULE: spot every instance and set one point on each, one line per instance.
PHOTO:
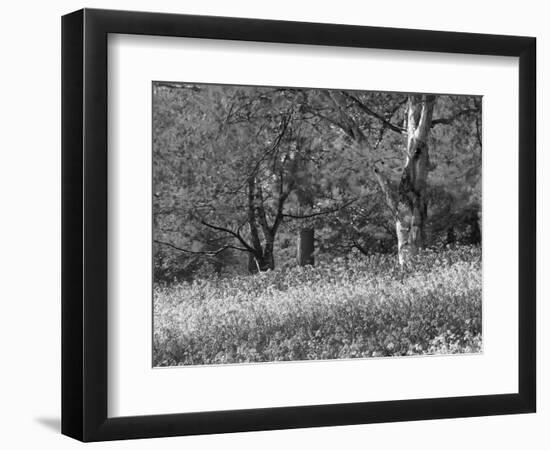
(238, 171)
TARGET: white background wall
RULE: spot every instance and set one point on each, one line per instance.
(30, 222)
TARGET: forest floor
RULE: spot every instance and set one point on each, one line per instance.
(353, 307)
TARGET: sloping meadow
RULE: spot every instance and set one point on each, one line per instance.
(353, 307)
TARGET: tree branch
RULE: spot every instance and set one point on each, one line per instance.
(352, 128)
(261, 214)
(285, 121)
(283, 195)
(231, 232)
(359, 247)
(320, 213)
(374, 114)
(449, 120)
(176, 85)
(203, 252)
(384, 186)
(384, 126)
(330, 120)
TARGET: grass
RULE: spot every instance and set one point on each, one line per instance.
(353, 307)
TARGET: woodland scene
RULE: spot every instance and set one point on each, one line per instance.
(312, 224)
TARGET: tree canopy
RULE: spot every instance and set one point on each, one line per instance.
(240, 174)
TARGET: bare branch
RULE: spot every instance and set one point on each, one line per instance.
(384, 126)
(359, 247)
(352, 128)
(176, 85)
(203, 252)
(374, 114)
(330, 120)
(229, 231)
(320, 213)
(270, 151)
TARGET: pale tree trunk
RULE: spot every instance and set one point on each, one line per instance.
(403, 249)
(412, 189)
(410, 206)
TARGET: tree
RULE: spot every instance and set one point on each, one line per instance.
(365, 118)
(252, 177)
(239, 169)
(409, 207)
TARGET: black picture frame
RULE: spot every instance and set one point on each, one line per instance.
(84, 224)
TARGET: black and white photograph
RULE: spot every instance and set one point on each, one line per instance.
(294, 224)
(275, 225)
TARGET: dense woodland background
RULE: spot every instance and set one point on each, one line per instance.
(248, 179)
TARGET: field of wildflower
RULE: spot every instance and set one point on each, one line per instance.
(353, 307)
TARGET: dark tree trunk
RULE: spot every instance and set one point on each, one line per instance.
(305, 243)
(451, 236)
(306, 247)
(475, 229)
(260, 263)
(262, 257)
(267, 261)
